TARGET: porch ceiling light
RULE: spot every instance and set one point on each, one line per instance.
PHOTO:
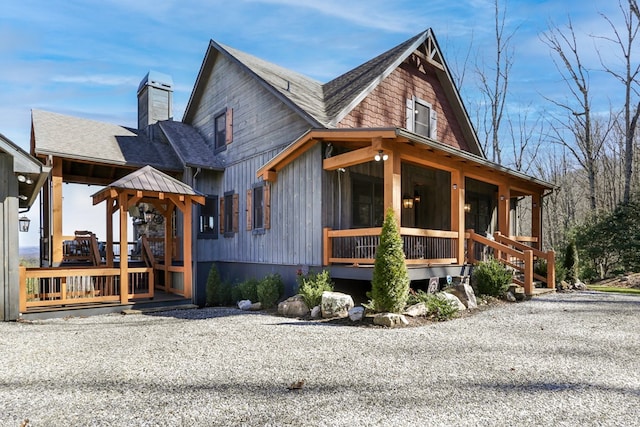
(23, 224)
(381, 155)
(22, 178)
(407, 201)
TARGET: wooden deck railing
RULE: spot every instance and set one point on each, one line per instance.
(516, 255)
(358, 246)
(46, 287)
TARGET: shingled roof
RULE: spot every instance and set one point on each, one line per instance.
(323, 105)
(98, 142)
(151, 179)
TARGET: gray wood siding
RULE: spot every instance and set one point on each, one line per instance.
(262, 127)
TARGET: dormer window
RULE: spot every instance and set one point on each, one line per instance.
(421, 118)
(223, 129)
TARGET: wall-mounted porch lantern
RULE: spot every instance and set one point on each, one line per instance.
(381, 155)
(467, 207)
(23, 224)
(407, 201)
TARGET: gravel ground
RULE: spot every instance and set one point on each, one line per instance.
(561, 359)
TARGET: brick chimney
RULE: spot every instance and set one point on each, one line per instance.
(155, 99)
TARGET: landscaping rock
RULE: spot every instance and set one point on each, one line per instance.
(244, 304)
(579, 286)
(293, 307)
(517, 291)
(465, 294)
(510, 297)
(455, 300)
(416, 310)
(256, 306)
(316, 313)
(356, 314)
(563, 286)
(335, 304)
(390, 320)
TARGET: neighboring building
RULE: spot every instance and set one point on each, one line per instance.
(21, 178)
(297, 174)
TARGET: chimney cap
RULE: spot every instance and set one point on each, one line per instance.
(158, 80)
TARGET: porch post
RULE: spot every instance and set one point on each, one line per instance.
(457, 212)
(504, 209)
(393, 185)
(56, 196)
(536, 219)
(186, 248)
(109, 242)
(124, 256)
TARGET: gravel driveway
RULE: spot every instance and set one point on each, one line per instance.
(561, 359)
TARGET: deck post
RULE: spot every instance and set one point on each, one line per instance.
(22, 304)
(326, 254)
(124, 256)
(504, 209)
(536, 220)
(457, 212)
(186, 249)
(56, 203)
(528, 272)
(551, 269)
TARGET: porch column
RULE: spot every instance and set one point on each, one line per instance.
(56, 212)
(393, 185)
(186, 248)
(504, 208)
(536, 219)
(109, 242)
(457, 212)
(124, 256)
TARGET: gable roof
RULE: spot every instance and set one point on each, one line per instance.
(33, 172)
(324, 105)
(192, 149)
(151, 179)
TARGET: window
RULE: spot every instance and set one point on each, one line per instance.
(207, 218)
(223, 129)
(367, 201)
(229, 214)
(220, 129)
(421, 118)
(258, 207)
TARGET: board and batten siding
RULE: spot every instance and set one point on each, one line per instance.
(262, 127)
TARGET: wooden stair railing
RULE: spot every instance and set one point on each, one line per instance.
(508, 252)
(147, 254)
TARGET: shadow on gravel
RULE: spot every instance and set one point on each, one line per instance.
(206, 313)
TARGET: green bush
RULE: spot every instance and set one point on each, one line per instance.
(213, 287)
(390, 284)
(246, 290)
(491, 278)
(438, 307)
(571, 262)
(312, 285)
(269, 290)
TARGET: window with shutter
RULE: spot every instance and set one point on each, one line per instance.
(208, 218)
(421, 118)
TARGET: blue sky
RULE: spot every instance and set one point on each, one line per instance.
(85, 58)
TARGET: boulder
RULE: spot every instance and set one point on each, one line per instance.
(356, 313)
(335, 304)
(293, 307)
(244, 304)
(579, 286)
(390, 320)
(256, 306)
(416, 310)
(510, 297)
(316, 313)
(517, 291)
(454, 300)
(465, 294)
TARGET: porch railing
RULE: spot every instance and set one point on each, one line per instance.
(421, 246)
(47, 287)
(515, 254)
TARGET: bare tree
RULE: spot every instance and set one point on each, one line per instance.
(494, 87)
(527, 139)
(577, 120)
(625, 42)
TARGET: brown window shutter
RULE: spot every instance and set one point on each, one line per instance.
(267, 206)
(221, 222)
(236, 208)
(249, 211)
(229, 126)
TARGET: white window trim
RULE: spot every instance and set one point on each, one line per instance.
(411, 116)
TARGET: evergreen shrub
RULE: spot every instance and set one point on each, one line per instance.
(312, 285)
(491, 278)
(269, 290)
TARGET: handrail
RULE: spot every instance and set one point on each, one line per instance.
(504, 245)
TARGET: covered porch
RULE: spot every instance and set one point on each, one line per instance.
(449, 203)
(85, 272)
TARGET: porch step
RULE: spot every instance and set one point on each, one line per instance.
(159, 309)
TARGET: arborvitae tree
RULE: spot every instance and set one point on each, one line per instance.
(390, 284)
(571, 262)
(214, 284)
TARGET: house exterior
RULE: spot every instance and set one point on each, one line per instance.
(296, 174)
(21, 178)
